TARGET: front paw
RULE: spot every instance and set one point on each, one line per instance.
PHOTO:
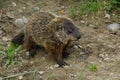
(65, 54)
(62, 63)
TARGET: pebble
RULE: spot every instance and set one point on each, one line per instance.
(56, 66)
(0, 32)
(41, 72)
(5, 39)
(36, 8)
(66, 66)
(20, 11)
(99, 78)
(32, 62)
(62, 11)
(41, 78)
(75, 46)
(10, 15)
(62, 7)
(25, 20)
(113, 28)
(24, 7)
(27, 53)
(82, 21)
(14, 4)
(103, 56)
(20, 77)
(107, 16)
(21, 22)
(79, 46)
(93, 26)
(73, 75)
(51, 68)
(1, 78)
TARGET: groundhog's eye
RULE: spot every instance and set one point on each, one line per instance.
(69, 32)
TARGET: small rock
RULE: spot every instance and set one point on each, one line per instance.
(27, 53)
(70, 65)
(79, 46)
(1, 78)
(14, 4)
(24, 7)
(51, 68)
(36, 8)
(93, 26)
(32, 62)
(20, 77)
(10, 15)
(0, 32)
(62, 11)
(82, 21)
(66, 66)
(73, 75)
(25, 20)
(25, 61)
(107, 16)
(113, 28)
(75, 46)
(119, 47)
(62, 7)
(19, 23)
(103, 56)
(20, 11)
(41, 72)
(5, 39)
(41, 78)
(43, 58)
(56, 66)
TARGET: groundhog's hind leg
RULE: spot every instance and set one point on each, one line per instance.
(18, 39)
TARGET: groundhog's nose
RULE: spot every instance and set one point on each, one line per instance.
(78, 37)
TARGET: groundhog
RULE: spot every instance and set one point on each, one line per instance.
(50, 31)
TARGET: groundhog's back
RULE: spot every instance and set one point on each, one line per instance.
(37, 27)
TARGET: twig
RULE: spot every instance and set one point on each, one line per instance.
(19, 74)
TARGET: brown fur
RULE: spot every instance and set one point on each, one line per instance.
(48, 30)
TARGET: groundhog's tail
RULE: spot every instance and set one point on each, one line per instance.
(18, 39)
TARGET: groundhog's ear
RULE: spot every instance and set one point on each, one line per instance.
(56, 24)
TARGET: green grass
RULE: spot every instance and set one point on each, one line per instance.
(10, 53)
(88, 6)
(80, 77)
(93, 6)
(116, 4)
(93, 67)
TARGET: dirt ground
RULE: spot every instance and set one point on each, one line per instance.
(100, 47)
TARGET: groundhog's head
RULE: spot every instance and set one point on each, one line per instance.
(66, 25)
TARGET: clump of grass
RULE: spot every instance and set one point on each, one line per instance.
(116, 4)
(93, 67)
(92, 6)
(10, 53)
(88, 6)
(110, 5)
(80, 77)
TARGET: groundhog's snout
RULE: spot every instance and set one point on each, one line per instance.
(78, 37)
(72, 31)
